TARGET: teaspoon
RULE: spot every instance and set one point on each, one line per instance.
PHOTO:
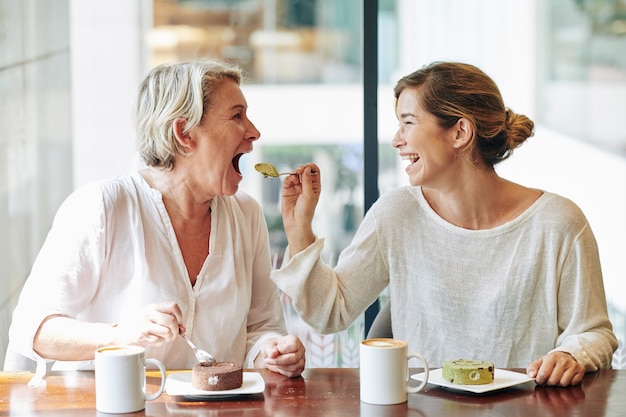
(269, 170)
(201, 355)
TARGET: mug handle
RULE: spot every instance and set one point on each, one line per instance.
(413, 390)
(158, 364)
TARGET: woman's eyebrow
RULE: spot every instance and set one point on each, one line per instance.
(238, 107)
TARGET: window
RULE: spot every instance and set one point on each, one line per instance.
(303, 63)
(584, 73)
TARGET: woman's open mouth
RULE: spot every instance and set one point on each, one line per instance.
(236, 163)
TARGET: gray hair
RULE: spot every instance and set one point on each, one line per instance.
(170, 91)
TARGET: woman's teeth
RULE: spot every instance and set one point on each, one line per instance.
(412, 157)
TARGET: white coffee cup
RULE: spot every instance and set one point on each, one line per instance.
(384, 371)
(121, 379)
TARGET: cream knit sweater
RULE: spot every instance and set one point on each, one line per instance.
(510, 294)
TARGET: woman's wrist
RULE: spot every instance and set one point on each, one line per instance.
(300, 241)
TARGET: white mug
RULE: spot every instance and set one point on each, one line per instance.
(384, 371)
(121, 379)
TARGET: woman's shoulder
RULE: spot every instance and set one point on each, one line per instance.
(398, 200)
(94, 200)
(402, 194)
(106, 196)
(557, 209)
(559, 205)
(111, 189)
(394, 205)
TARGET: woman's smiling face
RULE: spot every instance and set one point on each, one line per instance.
(223, 136)
(421, 141)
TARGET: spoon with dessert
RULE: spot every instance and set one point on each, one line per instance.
(269, 171)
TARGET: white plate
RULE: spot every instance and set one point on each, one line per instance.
(179, 383)
(501, 379)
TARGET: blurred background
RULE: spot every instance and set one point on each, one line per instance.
(69, 71)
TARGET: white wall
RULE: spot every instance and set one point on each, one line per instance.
(108, 57)
(499, 36)
(35, 144)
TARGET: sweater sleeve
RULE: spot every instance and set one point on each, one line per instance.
(586, 330)
(328, 299)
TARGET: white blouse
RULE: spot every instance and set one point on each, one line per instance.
(112, 250)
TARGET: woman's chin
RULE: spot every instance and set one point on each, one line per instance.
(415, 179)
(233, 186)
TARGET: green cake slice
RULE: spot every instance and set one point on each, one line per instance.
(468, 372)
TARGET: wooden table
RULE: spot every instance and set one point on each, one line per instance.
(323, 392)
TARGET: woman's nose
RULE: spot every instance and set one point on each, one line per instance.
(254, 133)
(397, 140)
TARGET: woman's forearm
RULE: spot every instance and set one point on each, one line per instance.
(66, 339)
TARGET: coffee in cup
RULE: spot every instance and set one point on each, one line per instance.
(384, 371)
(121, 379)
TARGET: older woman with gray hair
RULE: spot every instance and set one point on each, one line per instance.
(172, 249)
